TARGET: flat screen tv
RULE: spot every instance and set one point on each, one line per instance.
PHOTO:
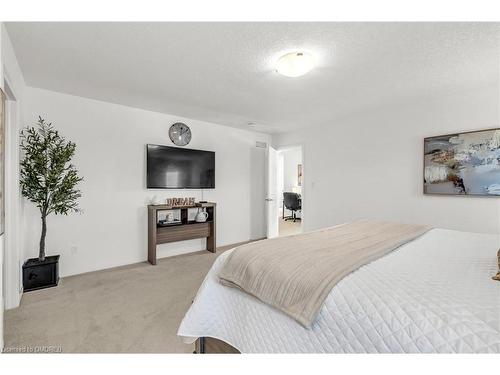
(179, 168)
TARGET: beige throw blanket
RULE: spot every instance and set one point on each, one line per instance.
(295, 274)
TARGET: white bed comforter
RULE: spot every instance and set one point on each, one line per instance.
(434, 294)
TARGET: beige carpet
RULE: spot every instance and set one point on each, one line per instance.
(286, 228)
(132, 309)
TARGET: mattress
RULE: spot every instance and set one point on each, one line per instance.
(432, 295)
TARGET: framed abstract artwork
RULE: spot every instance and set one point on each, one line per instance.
(463, 163)
(299, 174)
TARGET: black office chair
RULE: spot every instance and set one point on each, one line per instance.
(292, 202)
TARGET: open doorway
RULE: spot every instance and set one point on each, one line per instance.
(284, 198)
(290, 181)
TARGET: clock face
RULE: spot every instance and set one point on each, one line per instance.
(180, 134)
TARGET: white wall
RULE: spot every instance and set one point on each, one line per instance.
(111, 141)
(2, 239)
(369, 165)
(292, 157)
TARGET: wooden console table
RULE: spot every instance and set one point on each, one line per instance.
(186, 230)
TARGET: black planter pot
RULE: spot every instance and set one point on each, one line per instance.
(39, 275)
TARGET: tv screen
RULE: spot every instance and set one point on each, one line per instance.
(179, 168)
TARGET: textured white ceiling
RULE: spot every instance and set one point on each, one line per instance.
(223, 72)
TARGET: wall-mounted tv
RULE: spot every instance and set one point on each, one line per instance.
(179, 168)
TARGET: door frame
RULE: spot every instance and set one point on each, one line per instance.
(13, 204)
(272, 224)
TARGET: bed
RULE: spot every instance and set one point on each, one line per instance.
(434, 294)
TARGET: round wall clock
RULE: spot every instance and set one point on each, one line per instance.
(180, 134)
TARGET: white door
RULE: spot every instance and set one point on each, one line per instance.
(271, 197)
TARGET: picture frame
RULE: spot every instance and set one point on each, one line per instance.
(463, 164)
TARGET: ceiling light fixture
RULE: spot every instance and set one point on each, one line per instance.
(295, 64)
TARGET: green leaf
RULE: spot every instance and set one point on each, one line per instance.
(48, 179)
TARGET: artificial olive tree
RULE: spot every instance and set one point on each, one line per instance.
(48, 179)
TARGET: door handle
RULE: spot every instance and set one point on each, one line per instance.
(269, 199)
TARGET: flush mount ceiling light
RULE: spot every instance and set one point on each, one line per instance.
(295, 64)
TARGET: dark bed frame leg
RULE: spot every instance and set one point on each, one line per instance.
(201, 346)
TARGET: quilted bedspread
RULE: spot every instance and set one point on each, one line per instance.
(433, 295)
